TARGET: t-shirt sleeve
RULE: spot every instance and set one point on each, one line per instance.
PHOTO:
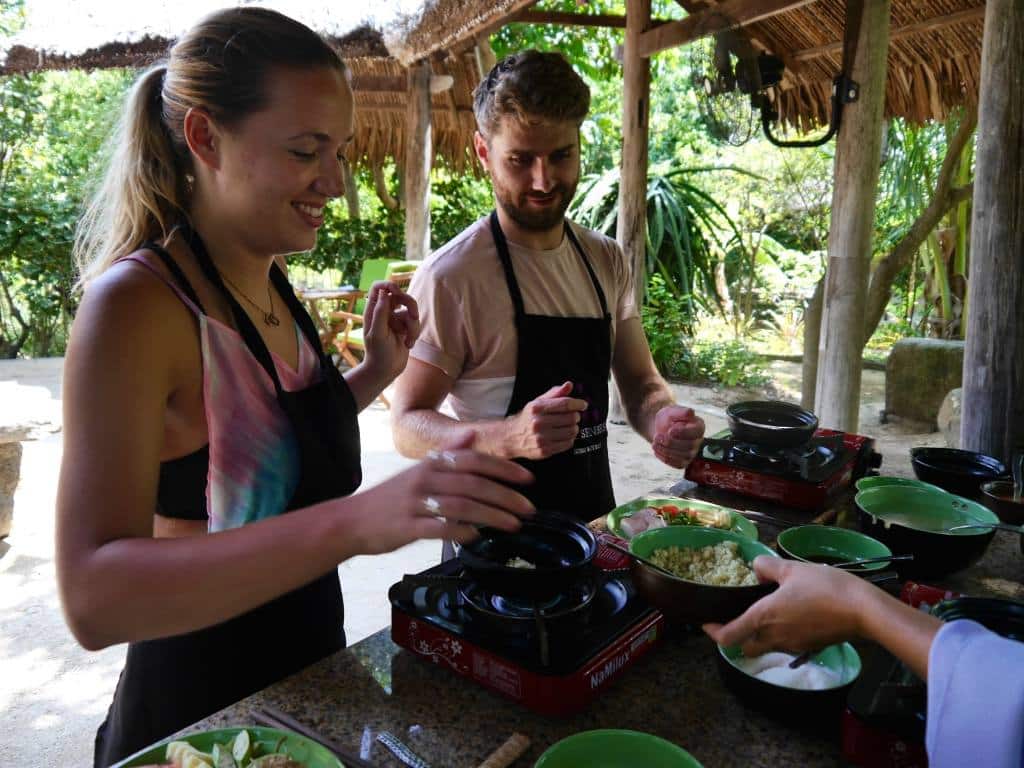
(975, 698)
(625, 285)
(442, 339)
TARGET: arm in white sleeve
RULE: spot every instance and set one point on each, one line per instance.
(975, 698)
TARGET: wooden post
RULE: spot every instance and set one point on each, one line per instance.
(418, 152)
(630, 229)
(992, 419)
(858, 153)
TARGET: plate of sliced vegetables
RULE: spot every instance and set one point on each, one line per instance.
(248, 747)
(649, 512)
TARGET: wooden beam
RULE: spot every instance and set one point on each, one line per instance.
(992, 418)
(382, 83)
(631, 228)
(418, 155)
(402, 108)
(858, 156)
(730, 14)
(909, 30)
(568, 19)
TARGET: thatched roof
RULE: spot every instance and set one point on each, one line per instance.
(934, 52)
(934, 57)
(101, 36)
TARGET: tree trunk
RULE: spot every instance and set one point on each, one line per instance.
(944, 198)
(417, 163)
(858, 153)
(380, 185)
(993, 380)
(812, 332)
(351, 191)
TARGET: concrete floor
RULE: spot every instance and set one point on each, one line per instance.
(53, 693)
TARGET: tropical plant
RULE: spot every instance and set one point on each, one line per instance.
(688, 231)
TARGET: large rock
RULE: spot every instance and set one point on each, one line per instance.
(10, 471)
(919, 374)
(949, 417)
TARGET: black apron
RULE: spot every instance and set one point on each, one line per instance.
(170, 683)
(551, 351)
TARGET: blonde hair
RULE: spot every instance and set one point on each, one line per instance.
(530, 86)
(222, 65)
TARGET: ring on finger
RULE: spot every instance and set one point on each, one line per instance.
(432, 506)
(446, 458)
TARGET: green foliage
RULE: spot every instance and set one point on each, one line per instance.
(666, 324)
(680, 357)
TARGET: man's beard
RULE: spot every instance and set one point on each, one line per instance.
(541, 220)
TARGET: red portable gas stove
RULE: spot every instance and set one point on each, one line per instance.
(553, 656)
(806, 477)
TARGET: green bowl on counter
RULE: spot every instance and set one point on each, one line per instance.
(266, 740)
(878, 481)
(615, 749)
(828, 545)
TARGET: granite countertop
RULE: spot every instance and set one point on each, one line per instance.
(674, 691)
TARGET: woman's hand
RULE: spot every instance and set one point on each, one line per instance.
(814, 606)
(391, 325)
(445, 496)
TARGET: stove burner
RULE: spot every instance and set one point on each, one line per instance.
(812, 461)
(575, 598)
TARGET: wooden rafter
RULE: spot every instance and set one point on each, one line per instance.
(728, 15)
(917, 28)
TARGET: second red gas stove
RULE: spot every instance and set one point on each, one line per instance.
(807, 477)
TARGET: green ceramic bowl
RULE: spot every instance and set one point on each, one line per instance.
(915, 521)
(818, 711)
(866, 483)
(615, 749)
(684, 601)
(305, 751)
(740, 524)
(828, 544)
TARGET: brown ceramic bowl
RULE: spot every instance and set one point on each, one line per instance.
(998, 496)
(688, 602)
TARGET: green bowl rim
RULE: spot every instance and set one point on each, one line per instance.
(944, 496)
(846, 531)
(906, 482)
(715, 532)
(843, 646)
(546, 754)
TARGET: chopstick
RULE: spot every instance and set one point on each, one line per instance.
(275, 718)
(507, 753)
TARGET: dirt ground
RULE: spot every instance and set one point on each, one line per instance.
(53, 694)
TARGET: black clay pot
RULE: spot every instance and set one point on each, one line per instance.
(771, 423)
(956, 471)
(560, 548)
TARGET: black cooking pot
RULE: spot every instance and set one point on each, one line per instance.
(957, 471)
(1004, 617)
(771, 423)
(560, 549)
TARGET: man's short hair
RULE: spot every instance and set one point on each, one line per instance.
(531, 86)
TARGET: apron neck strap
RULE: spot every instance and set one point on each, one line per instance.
(243, 322)
(510, 276)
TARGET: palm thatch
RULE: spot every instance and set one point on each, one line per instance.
(934, 52)
(378, 80)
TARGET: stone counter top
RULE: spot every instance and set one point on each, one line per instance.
(674, 692)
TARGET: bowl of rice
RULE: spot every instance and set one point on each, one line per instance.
(812, 695)
(712, 578)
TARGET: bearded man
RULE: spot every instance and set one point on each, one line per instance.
(525, 314)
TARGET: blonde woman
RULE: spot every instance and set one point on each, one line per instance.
(199, 408)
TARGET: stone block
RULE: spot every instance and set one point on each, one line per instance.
(10, 472)
(919, 374)
(949, 417)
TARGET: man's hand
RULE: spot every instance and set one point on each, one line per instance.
(546, 426)
(677, 435)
